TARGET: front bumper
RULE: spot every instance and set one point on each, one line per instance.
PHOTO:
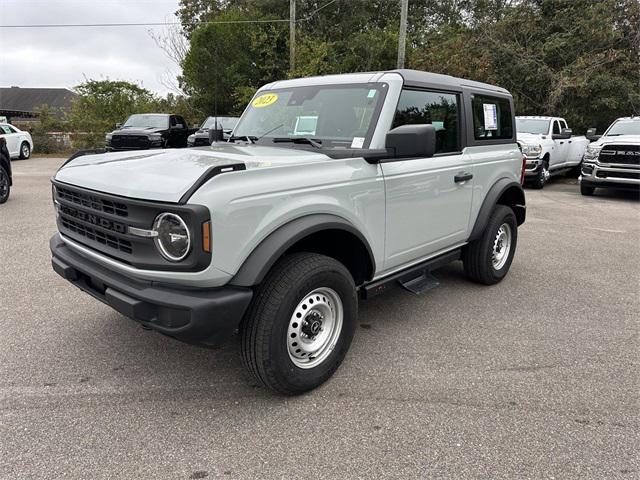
(532, 167)
(598, 175)
(203, 316)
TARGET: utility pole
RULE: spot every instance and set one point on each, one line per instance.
(402, 36)
(292, 35)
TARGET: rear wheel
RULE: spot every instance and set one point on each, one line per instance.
(5, 188)
(25, 151)
(586, 190)
(300, 323)
(488, 259)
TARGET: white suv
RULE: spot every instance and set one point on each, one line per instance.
(19, 143)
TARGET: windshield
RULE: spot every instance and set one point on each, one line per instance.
(147, 121)
(536, 126)
(227, 123)
(333, 115)
(624, 127)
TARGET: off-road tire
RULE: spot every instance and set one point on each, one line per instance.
(25, 151)
(587, 190)
(264, 330)
(478, 255)
(5, 189)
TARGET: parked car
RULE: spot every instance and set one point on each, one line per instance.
(149, 130)
(550, 148)
(331, 189)
(6, 179)
(19, 143)
(201, 137)
(613, 159)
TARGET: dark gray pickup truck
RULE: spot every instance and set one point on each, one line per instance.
(150, 130)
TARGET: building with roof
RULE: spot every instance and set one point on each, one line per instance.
(22, 104)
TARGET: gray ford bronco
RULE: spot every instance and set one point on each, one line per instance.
(330, 190)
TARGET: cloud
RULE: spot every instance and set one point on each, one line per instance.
(64, 57)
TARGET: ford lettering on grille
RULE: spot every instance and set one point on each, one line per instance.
(94, 219)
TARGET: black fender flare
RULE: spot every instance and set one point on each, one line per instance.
(492, 199)
(267, 253)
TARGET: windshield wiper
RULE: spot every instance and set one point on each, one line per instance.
(247, 138)
(308, 141)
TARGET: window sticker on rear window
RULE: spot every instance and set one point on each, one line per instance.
(490, 116)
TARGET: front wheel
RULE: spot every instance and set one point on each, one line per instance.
(300, 323)
(586, 190)
(5, 188)
(487, 260)
(542, 176)
(25, 151)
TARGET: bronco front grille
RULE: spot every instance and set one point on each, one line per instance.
(103, 221)
(620, 154)
(96, 235)
(92, 202)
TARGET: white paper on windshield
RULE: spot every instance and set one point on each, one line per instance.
(490, 116)
(357, 142)
(306, 126)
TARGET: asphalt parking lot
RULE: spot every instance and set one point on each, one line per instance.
(536, 377)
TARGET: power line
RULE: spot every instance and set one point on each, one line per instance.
(166, 24)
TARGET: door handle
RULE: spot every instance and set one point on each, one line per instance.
(462, 177)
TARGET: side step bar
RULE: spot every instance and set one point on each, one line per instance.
(417, 279)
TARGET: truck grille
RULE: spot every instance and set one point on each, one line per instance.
(620, 154)
(92, 202)
(130, 141)
(95, 235)
(101, 222)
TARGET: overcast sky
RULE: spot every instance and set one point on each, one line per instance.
(63, 57)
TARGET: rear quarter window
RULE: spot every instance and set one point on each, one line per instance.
(492, 118)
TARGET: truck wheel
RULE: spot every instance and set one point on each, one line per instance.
(542, 176)
(300, 323)
(25, 151)
(487, 259)
(586, 190)
(5, 189)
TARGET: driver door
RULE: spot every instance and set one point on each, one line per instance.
(428, 200)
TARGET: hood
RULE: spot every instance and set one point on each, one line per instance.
(138, 131)
(166, 175)
(617, 140)
(530, 138)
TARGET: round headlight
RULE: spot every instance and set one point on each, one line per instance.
(173, 239)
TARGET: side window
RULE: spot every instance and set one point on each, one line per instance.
(437, 108)
(5, 129)
(492, 118)
(556, 127)
(563, 124)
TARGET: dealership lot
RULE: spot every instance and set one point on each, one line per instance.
(536, 377)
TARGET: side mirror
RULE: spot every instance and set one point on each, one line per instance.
(118, 125)
(564, 134)
(408, 141)
(215, 135)
(591, 135)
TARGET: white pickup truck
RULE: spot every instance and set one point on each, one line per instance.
(549, 146)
